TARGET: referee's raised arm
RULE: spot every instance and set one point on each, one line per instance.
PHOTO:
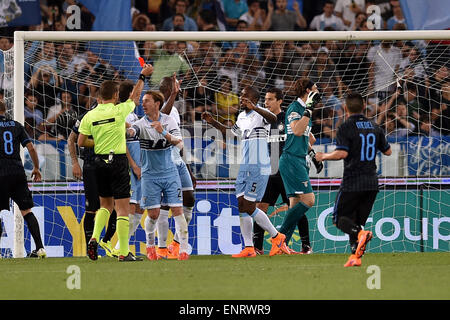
(135, 95)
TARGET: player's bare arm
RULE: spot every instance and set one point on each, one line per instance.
(268, 115)
(76, 169)
(167, 108)
(208, 117)
(335, 155)
(35, 174)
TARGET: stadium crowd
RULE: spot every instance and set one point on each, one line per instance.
(62, 78)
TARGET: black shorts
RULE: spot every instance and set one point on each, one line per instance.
(274, 188)
(113, 179)
(15, 187)
(354, 205)
(92, 200)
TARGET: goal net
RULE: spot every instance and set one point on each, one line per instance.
(403, 77)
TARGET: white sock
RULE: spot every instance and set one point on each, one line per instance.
(150, 228)
(246, 223)
(163, 227)
(182, 232)
(187, 211)
(264, 222)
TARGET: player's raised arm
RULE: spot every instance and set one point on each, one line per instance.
(299, 126)
(169, 87)
(208, 117)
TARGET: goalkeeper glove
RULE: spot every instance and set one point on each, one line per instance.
(317, 164)
(311, 101)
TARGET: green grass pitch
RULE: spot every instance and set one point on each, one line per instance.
(297, 277)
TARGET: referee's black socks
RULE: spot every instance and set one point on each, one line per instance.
(33, 226)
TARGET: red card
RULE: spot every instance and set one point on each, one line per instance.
(141, 61)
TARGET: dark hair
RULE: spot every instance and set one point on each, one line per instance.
(178, 15)
(277, 92)
(107, 89)
(301, 85)
(354, 102)
(207, 16)
(2, 106)
(157, 96)
(252, 92)
(125, 89)
(165, 86)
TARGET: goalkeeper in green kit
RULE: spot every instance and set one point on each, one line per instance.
(293, 164)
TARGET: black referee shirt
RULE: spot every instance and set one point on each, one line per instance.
(12, 135)
(362, 139)
(87, 154)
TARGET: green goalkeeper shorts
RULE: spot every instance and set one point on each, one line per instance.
(295, 173)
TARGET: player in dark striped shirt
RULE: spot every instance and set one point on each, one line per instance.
(13, 181)
(357, 142)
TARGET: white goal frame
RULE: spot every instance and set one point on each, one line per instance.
(21, 36)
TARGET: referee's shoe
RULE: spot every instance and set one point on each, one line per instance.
(129, 257)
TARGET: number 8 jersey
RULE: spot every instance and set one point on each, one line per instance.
(12, 135)
(156, 151)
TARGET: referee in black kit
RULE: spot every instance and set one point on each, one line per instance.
(357, 142)
(13, 180)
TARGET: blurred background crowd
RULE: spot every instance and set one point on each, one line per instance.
(406, 83)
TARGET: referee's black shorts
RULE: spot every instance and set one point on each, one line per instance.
(92, 200)
(113, 179)
(274, 189)
(15, 187)
(355, 205)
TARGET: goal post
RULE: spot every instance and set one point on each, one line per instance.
(400, 171)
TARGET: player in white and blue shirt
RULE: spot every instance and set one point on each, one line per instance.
(158, 133)
(252, 126)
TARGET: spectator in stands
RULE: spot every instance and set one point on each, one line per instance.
(46, 57)
(142, 22)
(327, 19)
(233, 9)
(227, 102)
(323, 70)
(180, 9)
(413, 104)
(228, 67)
(353, 66)
(348, 10)
(323, 127)
(166, 61)
(53, 14)
(397, 17)
(427, 128)
(200, 98)
(32, 112)
(385, 61)
(42, 88)
(282, 19)
(276, 63)
(357, 24)
(440, 111)
(60, 119)
(206, 21)
(394, 116)
(254, 17)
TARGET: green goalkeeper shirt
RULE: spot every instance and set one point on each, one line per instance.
(106, 124)
(294, 145)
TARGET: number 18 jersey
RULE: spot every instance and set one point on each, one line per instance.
(362, 139)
